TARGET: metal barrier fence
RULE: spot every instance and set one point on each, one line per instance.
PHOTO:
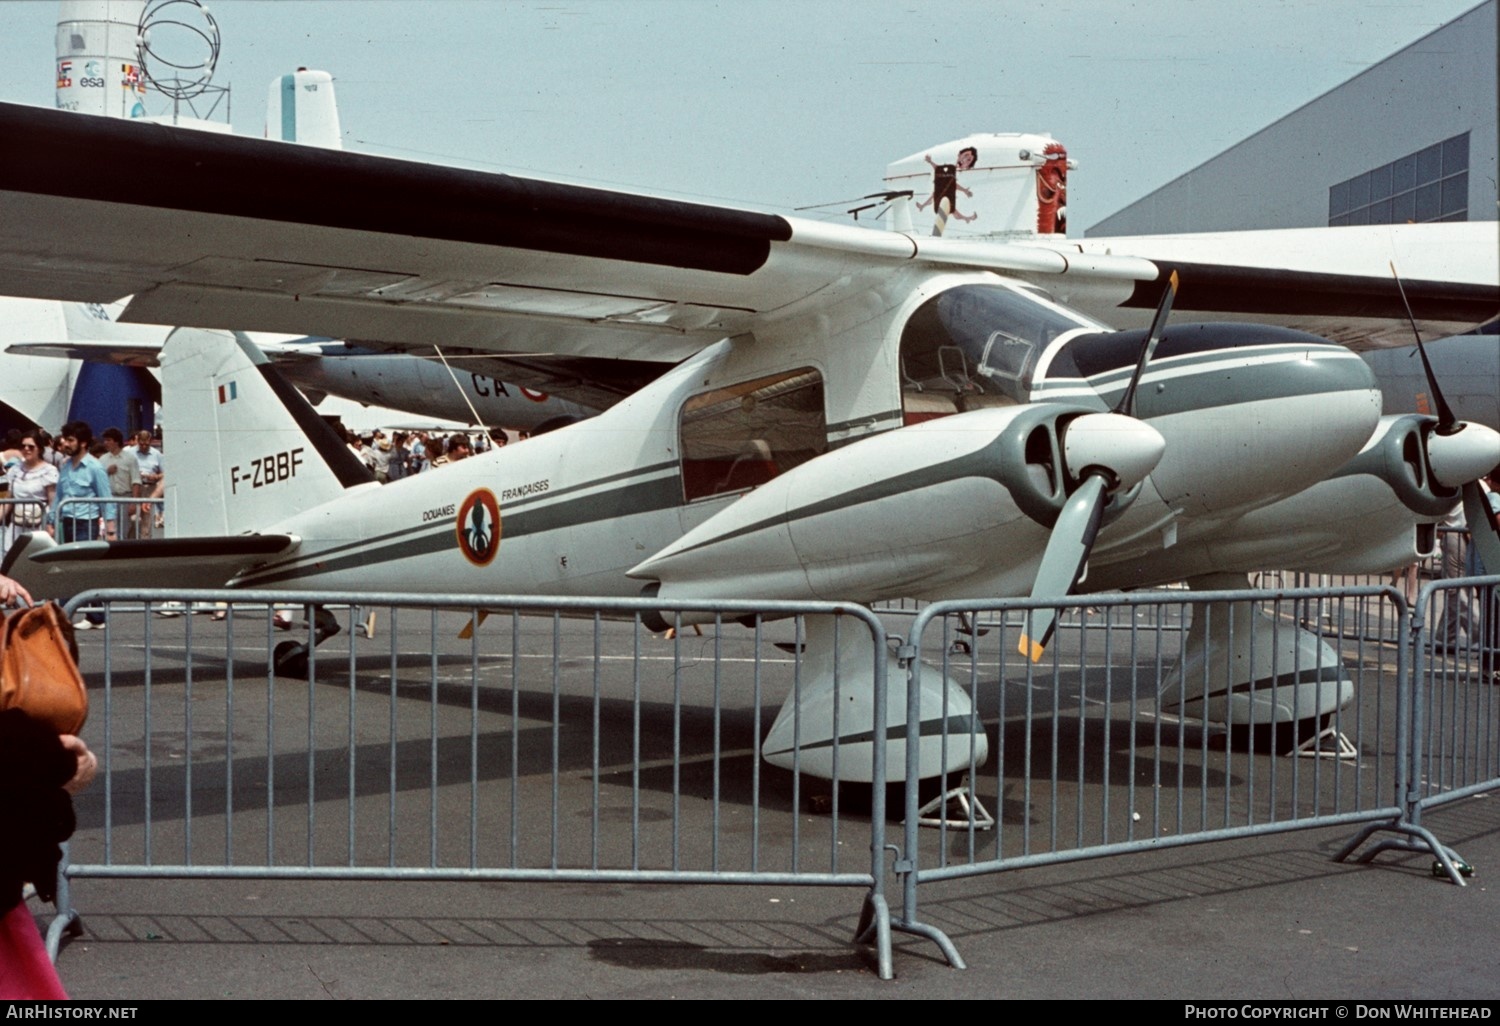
(559, 740)
(562, 740)
(1101, 748)
(1452, 559)
(1455, 708)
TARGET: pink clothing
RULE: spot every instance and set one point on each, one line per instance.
(26, 973)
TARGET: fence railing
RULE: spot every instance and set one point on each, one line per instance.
(469, 738)
(551, 739)
(123, 518)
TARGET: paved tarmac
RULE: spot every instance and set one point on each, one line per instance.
(1261, 918)
(1270, 918)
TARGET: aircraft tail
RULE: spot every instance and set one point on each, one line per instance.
(244, 449)
(302, 108)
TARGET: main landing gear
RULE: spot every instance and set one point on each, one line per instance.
(290, 658)
(1273, 685)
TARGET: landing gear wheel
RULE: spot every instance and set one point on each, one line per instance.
(289, 659)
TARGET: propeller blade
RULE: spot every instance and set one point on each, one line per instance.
(1148, 347)
(1063, 561)
(1484, 528)
(1445, 413)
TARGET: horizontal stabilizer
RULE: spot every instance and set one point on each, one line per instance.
(52, 571)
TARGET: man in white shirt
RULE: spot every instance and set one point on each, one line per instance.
(148, 460)
(124, 474)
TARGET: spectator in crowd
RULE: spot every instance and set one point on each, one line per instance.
(400, 454)
(459, 448)
(382, 452)
(34, 480)
(148, 459)
(10, 451)
(124, 474)
(80, 477)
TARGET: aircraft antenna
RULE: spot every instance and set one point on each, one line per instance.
(878, 197)
(460, 388)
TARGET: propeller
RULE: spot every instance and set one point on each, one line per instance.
(1112, 451)
(1458, 454)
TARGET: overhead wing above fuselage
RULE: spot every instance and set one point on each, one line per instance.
(252, 235)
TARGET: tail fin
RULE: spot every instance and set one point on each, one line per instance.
(302, 108)
(245, 450)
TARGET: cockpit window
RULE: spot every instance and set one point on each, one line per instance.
(742, 435)
(978, 345)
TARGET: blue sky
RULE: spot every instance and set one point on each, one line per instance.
(776, 105)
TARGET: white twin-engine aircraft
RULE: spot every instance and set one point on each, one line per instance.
(853, 415)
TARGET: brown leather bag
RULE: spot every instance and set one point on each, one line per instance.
(39, 668)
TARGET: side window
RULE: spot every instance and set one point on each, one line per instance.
(742, 435)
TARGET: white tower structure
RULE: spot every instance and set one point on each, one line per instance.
(301, 108)
(98, 71)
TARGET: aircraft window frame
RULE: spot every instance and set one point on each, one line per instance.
(1002, 330)
(735, 437)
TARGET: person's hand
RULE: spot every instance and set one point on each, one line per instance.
(12, 592)
(88, 765)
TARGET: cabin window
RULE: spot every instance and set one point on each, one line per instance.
(742, 435)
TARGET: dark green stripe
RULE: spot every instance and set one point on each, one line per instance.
(596, 482)
(642, 497)
(959, 725)
(1326, 674)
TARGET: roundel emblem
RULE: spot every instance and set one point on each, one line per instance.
(534, 396)
(478, 527)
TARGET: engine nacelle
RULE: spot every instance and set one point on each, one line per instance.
(907, 511)
(1425, 468)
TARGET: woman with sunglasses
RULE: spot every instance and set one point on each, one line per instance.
(34, 481)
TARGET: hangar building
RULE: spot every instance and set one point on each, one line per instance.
(1412, 138)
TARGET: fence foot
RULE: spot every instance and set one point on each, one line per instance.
(938, 937)
(66, 921)
(1415, 839)
(875, 928)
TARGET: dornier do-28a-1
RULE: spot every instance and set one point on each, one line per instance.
(852, 414)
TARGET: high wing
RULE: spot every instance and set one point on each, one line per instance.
(1333, 282)
(255, 235)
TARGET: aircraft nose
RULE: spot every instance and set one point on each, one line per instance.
(1127, 448)
(1464, 455)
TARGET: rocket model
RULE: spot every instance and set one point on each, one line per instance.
(98, 71)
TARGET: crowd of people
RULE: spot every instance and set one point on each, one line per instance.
(50, 479)
(404, 453)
